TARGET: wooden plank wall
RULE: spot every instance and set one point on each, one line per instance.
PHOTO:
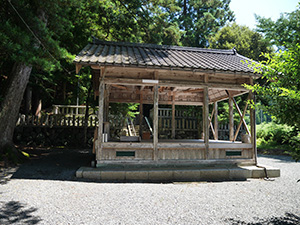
(176, 151)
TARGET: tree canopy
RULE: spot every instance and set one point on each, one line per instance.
(283, 32)
(199, 19)
(42, 38)
(280, 86)
(39, 39)
(246, 41)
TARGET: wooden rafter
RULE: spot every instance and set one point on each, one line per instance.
(193, 90)
(119, 86)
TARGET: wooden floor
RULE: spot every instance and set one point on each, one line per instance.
(189, 141)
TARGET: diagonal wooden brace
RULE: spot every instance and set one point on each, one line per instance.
(211, 125)
(241, 121)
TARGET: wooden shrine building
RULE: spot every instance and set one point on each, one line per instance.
(170, 75)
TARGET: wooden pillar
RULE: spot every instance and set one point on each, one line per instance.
(205, 120)
(155, 122)
(173, 117)
(253, 124)
(100, 116)
(216, 123)
(106, 103)
(231, 121)
(141, 114)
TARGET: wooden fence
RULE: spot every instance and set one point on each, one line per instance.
(183, 121)
(72, 110)
(57, 120)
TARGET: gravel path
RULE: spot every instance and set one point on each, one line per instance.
(37, 194)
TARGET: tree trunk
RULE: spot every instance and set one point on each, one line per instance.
(28, 100)
(12, 100)
(13, 96)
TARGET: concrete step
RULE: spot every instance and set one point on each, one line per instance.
(171, 173)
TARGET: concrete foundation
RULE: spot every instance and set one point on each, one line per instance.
(169, 174)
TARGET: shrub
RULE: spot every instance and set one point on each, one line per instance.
(294, 141)
(273, 134)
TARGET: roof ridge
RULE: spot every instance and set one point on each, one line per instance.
(165, 47)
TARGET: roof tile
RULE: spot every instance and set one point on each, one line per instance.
(173, 57)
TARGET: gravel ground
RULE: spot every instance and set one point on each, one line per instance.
(44, 191)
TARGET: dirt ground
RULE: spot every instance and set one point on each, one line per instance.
(44, 190)
(48, 164)
(61, 164)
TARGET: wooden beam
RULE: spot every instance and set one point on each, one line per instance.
(231, 120)
(193, 90)
(95, 67)
(174, 71)
(206, 78)
(155, 122)
(253, 124)
(205, 121)
(168, 83)
(155, 75)
(100, 116)
(106, 102)
(216, 124)
(118, 100)
(141, 113)
(173, 117)
(119, 86)
(78, 68)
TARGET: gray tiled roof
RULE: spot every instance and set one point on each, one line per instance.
(162, 56)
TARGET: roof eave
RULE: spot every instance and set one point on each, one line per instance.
(201, 70)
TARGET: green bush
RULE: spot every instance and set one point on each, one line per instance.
(273, 134)
(279, 136)
(294, 141)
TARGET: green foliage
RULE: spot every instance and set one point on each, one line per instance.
(67, 27)
(124, 110)
(223, 111)
(246, 41)
(294, 141)
(279, 136)
(281, 87)
(200, 19)
(280, 83)
(273, 134)
(120, 112)
(283, 32)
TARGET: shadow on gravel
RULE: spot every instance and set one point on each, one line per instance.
(16, 213)
(288, 219)
(284, 158)
(53, 164)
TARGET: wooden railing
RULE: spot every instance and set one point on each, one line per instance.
(57, 120)
(180, 123)
(72, 110)
(183, 120)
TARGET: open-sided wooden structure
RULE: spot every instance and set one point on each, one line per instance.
(153, 74)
